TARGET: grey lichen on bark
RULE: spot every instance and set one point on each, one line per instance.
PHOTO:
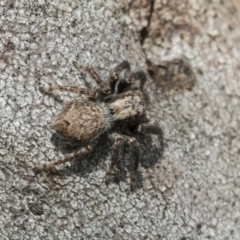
(188, 187)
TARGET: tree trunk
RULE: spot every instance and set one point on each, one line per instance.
(188, 184)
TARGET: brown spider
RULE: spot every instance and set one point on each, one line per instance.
(118, 109)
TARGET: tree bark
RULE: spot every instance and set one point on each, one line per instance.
(188, 186)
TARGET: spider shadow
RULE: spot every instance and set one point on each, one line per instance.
(151, 150)
(80, 166)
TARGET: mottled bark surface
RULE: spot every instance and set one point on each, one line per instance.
(188, 187)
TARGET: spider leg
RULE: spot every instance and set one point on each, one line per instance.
(104, 87)
(135, 155)
(86, 91)
(118, 141)
(133, 78)
(118, 69)
(81, 153)
(114, 75)
(148, 129)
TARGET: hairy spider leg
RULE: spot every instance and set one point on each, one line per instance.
(86, 91)
(118, 140)
(81, 153)
(135, 156)
(133, 77)
(148, 129)
(114, 76)
(104, 87)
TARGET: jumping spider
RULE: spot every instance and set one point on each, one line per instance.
(117, 108)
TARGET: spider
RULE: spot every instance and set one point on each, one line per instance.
(117, 108)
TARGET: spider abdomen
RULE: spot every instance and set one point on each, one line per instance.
(80, 121)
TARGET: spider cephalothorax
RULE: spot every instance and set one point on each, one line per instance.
(117, 108)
